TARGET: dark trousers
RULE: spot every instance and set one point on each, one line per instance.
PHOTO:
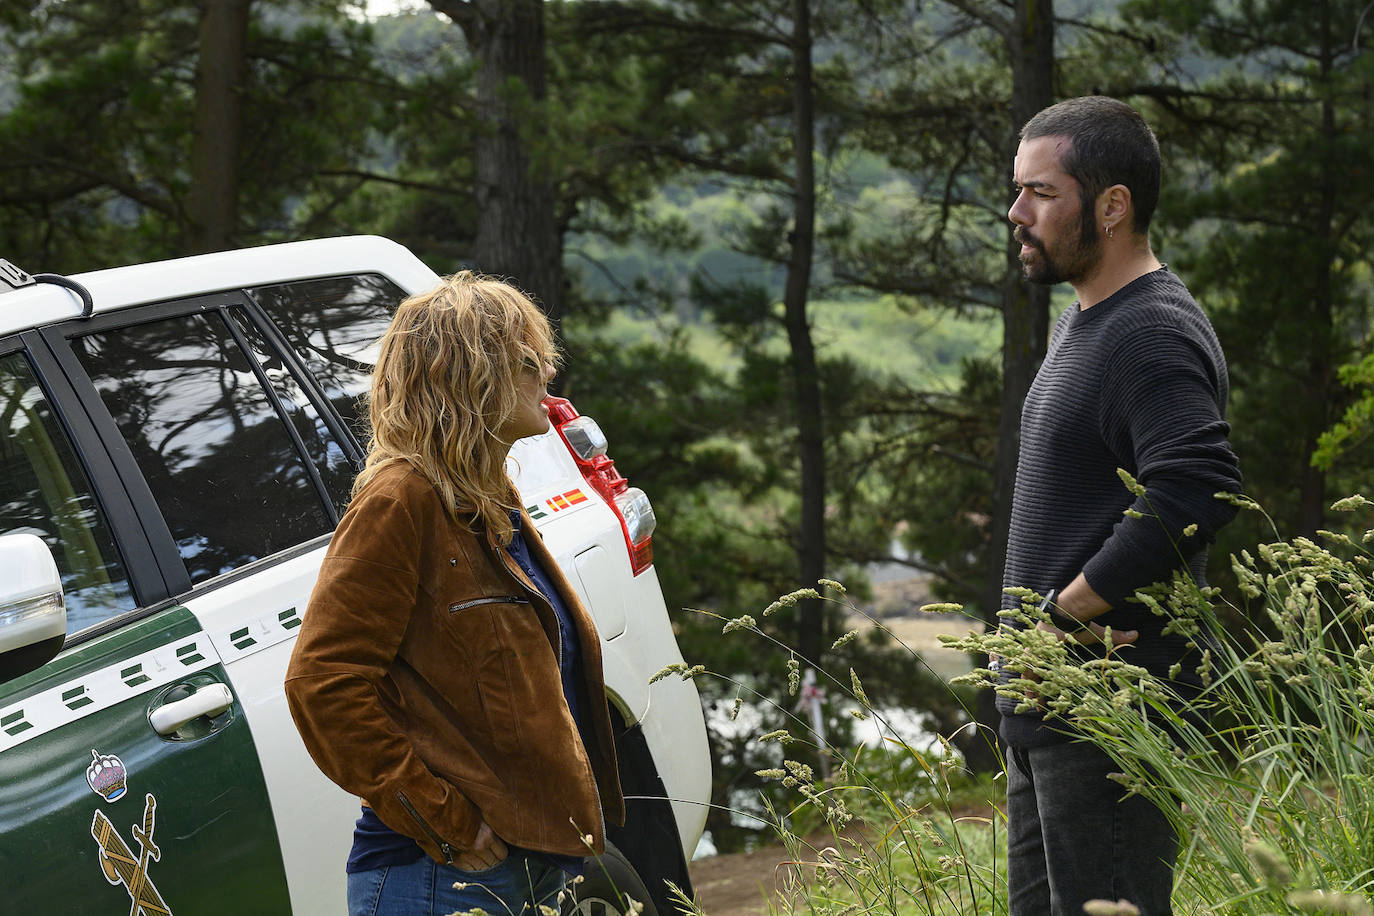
(1071, 837)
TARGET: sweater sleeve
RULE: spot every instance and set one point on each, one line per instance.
(1161, 414)
(368, 588)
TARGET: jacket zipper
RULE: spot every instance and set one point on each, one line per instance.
(495, 599)
(444, 848)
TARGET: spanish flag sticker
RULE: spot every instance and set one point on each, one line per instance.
(564, 500)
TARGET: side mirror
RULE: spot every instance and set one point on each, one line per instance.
(33, 617)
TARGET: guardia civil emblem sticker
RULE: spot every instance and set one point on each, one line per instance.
(121, 865)
(106, 776)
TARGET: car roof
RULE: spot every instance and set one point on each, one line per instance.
(120, 287)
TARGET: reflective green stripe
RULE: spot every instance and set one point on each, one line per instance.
(27, 714)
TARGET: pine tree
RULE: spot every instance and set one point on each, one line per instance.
(113, 150)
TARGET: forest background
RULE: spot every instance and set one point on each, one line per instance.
(773, 234)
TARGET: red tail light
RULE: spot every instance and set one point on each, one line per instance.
(587, 444)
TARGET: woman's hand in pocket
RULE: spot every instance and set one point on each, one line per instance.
(487, 851)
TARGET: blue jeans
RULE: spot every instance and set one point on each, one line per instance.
(1072, 837)
(517, 884)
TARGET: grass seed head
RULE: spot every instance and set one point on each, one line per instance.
(858, 689)
(1350, 503)
(660, 674)
(1131, 483)
(1108, 908)
(1312, 901)
(781, 735)
(742, 622)
(1270, 863)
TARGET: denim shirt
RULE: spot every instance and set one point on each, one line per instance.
(569, 646)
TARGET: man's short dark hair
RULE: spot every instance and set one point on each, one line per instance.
(1111, 144)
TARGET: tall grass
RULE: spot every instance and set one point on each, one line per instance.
(1268, 774)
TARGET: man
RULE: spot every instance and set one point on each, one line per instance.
(1134, 378)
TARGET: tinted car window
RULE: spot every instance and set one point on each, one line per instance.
(215, 453)
(336, 471)
(45, 491)
(334, 325)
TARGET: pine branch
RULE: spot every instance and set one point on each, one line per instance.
(91, 180)
(464, 13)
(980, 12)
(1145, 41)
(619, 18)
(392, 180)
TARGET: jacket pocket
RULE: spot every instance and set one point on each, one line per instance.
(444, 848)
(491, 599)
(484, 644)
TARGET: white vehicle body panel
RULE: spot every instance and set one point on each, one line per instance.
(120, 287)
(637, 636)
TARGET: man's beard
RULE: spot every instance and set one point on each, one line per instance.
(1071, 262)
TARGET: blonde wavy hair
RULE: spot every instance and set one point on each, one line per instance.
(445, 382)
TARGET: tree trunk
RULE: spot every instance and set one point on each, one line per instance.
(811, 637)
(1025, 328)
(518, 236)
(1321, 382)
(212, 199)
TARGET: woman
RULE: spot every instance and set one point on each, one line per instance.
(446, 672)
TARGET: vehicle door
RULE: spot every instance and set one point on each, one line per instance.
(248, 468)
(312, 344)
(130, 775)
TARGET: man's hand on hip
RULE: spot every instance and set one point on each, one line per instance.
(1080, 603)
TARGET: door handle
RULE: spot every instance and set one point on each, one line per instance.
(210, 700)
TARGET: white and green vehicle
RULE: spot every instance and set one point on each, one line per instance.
(177, 441)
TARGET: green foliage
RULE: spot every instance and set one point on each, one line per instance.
(706, 435)
(416, 184)
(712, 446)
(1358, 423)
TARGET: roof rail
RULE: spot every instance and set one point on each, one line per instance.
(15, 278)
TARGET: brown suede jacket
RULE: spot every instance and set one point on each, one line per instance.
(425, 680)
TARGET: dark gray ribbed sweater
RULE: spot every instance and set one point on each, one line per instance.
(1139, 382)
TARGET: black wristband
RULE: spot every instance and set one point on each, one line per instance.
(1063, 621)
